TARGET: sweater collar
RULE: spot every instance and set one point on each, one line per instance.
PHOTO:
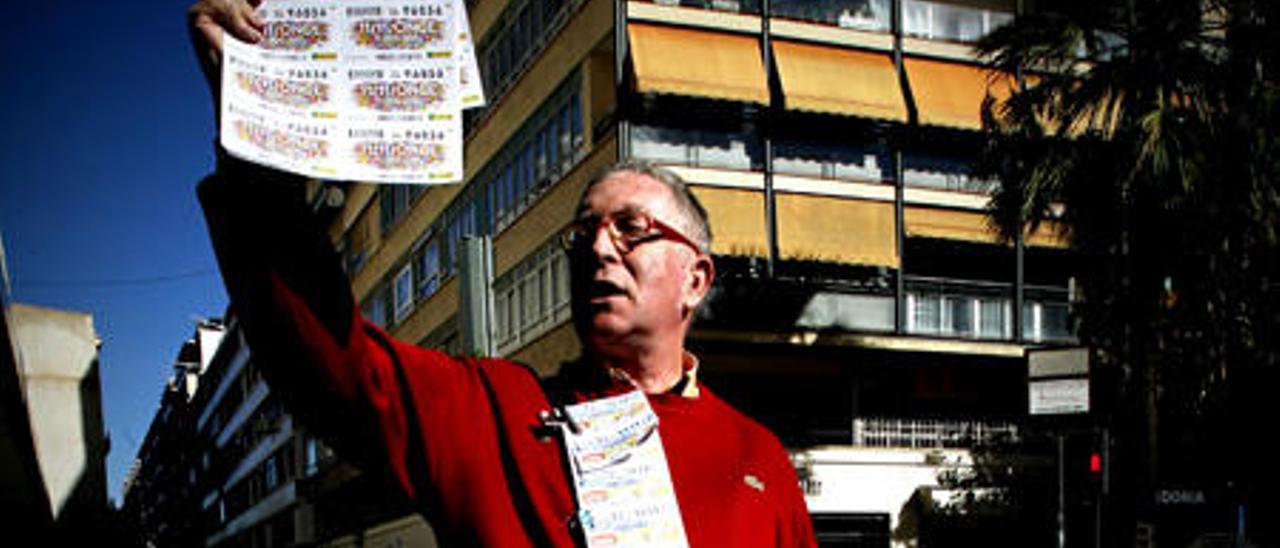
(594, 379)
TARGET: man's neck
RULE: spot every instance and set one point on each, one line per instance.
(654, 370)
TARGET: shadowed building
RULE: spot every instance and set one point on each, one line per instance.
(54, 443)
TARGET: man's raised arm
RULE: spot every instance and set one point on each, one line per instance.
(384, 403)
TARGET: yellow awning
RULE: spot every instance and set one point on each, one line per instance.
(971, 226)
(839, 81)
(1049, 234)
(949, 224)
(697, 63)
(826, 228)
(951, 94)
(737, 220)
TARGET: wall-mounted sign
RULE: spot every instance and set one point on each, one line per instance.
(1058, 381)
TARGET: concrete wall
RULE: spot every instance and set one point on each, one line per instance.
(58, 360)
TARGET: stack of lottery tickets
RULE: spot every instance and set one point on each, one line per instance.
(620, 474)
(357, 90)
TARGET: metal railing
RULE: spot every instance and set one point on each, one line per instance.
(929, 433)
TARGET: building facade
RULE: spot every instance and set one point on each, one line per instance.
(864, 310)
(53, 442)
(161, 490)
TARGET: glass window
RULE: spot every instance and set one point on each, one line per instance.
(723, 150)
(270, 474)
(402, 292)
(429, 269)
(511, 184)
(916, 18)
(870, 15)
(513, 318)
(1055, 321)
(550, 139)
(500, 313)
(529, 295)
(527, 167)
(926, 313)
(960, 316)
(386, 206)
(798, 158)
(566, 138)
(992, 322)
(520, 28)
(659, 145)
(575, 120)
(375, 309)
(540, 158)
(559, 283)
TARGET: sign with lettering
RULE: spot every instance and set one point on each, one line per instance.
(1058, 381)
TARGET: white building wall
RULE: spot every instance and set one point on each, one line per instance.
(874, 480)
(58, 359)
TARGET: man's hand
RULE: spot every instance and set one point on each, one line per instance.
(208, 19)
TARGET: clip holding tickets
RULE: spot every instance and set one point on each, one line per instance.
(557, 418)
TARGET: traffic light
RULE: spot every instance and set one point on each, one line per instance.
(1099, 462)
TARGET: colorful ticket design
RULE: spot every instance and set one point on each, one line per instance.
(620, 475)
(366, 90)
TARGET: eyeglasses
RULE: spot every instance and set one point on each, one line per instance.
(627, 229)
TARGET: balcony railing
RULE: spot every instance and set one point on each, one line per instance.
(928, 433)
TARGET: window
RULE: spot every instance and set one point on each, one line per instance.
(959, 316)
(402, 291)
(394, 201)
(941, 170)
(521, 32)
(1046, 321)
(944, 21)
(723, 150)
(375, 308)
(429, 270)
(926, 313)
(660, 145)
(270, 474)
(532, 297)
(693, 147)
(992, 320)
(535, 158)
(868, 15)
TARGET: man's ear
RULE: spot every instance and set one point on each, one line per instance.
(702, 272)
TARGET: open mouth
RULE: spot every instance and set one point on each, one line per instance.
(602, 289)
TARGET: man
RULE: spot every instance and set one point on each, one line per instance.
(466, 439)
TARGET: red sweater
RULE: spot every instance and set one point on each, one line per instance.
(462, 437)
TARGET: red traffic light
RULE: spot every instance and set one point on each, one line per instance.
(1095, 462)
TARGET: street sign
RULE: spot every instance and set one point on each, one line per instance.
(1060, 396)
(1058, 381)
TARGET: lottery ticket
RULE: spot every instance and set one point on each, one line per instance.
(620, 474)
(367, 90)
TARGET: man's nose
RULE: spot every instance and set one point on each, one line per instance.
(602, 245)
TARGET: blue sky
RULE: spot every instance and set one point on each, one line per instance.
(105, 127)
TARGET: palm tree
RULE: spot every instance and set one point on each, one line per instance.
(1147, 128)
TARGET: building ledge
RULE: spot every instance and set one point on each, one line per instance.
(896, 343)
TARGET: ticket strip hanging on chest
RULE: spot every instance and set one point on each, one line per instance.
(620, 476)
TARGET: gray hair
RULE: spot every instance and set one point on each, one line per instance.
(695, 216)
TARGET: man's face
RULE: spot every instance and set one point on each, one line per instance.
(623, 298)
